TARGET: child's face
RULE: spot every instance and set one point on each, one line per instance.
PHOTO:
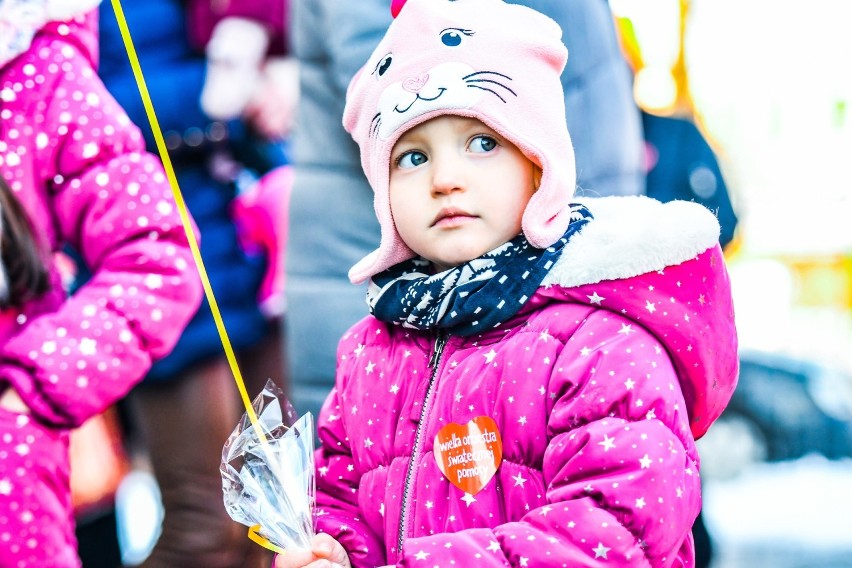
(458, 189)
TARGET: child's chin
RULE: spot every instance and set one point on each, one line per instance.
(459, 258)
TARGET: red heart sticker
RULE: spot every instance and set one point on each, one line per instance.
(469, 454)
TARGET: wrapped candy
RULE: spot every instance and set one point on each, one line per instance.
(268, 473)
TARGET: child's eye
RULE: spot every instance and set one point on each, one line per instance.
(411, 159)
(481, 144)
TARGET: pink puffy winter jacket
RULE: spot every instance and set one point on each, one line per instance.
(78, 167)
(598, 388)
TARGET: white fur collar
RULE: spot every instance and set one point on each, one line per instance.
(633, 235)
(62, 10)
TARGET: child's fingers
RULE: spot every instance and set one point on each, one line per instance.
(323, 545)
(294, 559)
(323, 563)
(326, 547)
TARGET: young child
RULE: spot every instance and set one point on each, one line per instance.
(530, 384)
(73, 171)
(248, 71)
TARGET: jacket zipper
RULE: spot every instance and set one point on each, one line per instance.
(434, 360)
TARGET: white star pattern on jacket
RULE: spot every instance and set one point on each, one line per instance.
(601, 550)
(586, 396)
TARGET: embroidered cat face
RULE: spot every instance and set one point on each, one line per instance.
(484, 59)
(444, 86)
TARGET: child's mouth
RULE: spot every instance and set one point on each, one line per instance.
(449, 218)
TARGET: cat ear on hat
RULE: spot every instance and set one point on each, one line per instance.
(396, 7)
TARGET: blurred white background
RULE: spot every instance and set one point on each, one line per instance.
(771, 86)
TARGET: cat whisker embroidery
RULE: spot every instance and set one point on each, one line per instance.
(375, 124)
(483, 79)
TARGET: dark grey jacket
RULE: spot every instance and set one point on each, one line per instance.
(332, 224)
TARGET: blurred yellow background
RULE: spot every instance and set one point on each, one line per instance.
(770, 85)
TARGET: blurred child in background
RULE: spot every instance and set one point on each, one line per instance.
(249, 72)
(188, 404)
(251, 76)
(74, 171)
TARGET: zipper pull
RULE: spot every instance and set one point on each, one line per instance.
(437, 349)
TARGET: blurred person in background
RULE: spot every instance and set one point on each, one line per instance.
(248, 73)
(332, 223)
(73, 173)
(219, 145)
(681, 164)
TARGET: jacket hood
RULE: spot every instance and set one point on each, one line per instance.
(76, 21)
(661, 266)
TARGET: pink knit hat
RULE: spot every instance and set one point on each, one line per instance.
(485, 59)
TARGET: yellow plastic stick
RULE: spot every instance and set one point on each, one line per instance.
(255, 536)
(184, 215)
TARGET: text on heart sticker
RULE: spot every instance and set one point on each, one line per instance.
(469, 454)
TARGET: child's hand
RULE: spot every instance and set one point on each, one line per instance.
(11, 401)
(325, 553)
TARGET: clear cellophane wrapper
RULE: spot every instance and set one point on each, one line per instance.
(270, 481)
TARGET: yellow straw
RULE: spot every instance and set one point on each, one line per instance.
(184, 215)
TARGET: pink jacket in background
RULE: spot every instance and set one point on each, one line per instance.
(598, 387)
(262, 220)
(203, 15)
(78, 166)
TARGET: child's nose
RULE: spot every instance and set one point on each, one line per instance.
(447, 177)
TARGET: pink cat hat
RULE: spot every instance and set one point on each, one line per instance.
(485, 59)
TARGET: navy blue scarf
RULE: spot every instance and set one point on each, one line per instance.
(473, 297)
